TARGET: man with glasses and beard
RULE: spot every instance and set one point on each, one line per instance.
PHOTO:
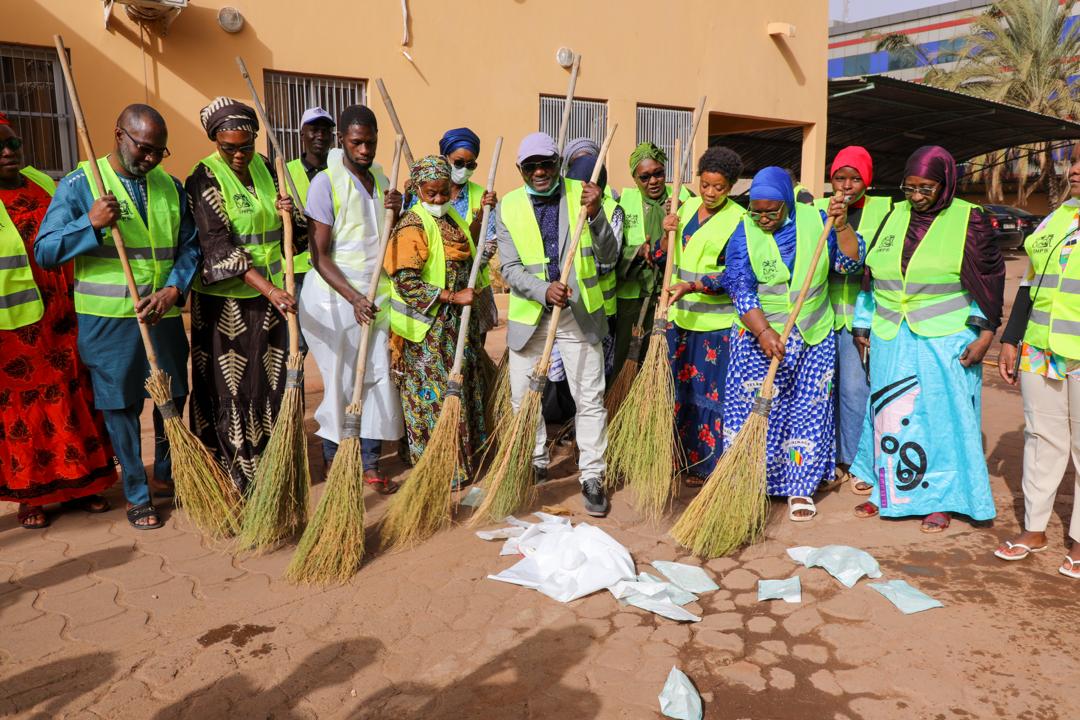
(534, 224)
(150, 208)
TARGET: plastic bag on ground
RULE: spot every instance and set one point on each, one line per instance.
(789, 590)
(905, 597)
(680, 699)
(845, 563)
(689, 577)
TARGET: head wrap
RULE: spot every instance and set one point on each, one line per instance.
(537, 144)
(580, 145)
(357, 115)
(459, 138)
(4, 119)
(225, 113)
(426, 169)
(773, 183)
(934, 162)
(856, 157)
(646, 151)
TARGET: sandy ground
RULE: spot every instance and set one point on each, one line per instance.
(97, 620)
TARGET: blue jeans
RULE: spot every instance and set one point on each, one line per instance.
(852, 390)
(125, 434)
(370, 450)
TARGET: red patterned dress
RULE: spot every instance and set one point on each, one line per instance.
(53, 443)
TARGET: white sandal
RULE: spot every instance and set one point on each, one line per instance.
(797, 503)
(1028, 550)
(1072, 571)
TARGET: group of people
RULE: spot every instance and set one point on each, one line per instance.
(885, 351)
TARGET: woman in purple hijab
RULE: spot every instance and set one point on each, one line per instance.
(936, 281)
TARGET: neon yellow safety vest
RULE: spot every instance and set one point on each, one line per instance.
(701, 256)
(929, 295)
(799, 189)
(476, 197)
(609, 281)
(100, 286)
(411, 324)
(519, 218)
(1054, 322)
(843, 289)
(301, 261)
(20, 300)
(255, 223)
(778, 287)
(634, 234)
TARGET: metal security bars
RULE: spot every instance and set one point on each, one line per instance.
(32, 96)
(588, 118)
(661, 126)
(288, 95)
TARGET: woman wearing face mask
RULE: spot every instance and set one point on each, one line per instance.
(428, 262)
(701, 312)
(768, 259)
(937, 282)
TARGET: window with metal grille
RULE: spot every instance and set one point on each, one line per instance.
(660, 126)
(32, 96)
(588, 118)
(289, 94)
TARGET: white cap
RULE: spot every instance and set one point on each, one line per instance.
(315, 113)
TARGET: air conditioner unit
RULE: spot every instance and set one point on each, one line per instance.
(160, 4)
(157, 15)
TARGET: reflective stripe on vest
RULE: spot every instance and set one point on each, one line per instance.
(843, 289)
(778, 288)
(516, 210)
(634, 234)
(406, 321)
(20, 300)
(1054, 322)
(929, 295)
(100, 285)
(301, 261)
(700, 257)
(255, 224)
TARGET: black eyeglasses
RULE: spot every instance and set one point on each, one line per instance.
(145, 149)
(927, 191)
(234, 149)
(531, 167)
(12, 144)
(459, 164)
(657, 174)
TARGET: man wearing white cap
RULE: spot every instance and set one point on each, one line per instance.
(316, 139)
(534, 224)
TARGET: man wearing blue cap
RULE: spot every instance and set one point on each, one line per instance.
(534, 224)
(316, 139)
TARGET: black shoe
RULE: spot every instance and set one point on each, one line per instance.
(596, 502)
(539, 474)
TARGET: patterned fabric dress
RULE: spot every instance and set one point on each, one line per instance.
(424, 367)
(53, 443)
(238, 346)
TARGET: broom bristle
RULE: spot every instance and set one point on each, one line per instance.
(422, 506)
(508, 483)
(620, 388)
(498, 398)
(332, 546)
(277, 504)
(642, 447)
(203, 488)
(731, 510)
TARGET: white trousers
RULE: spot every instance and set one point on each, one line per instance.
(1051, 436)
(584, 365)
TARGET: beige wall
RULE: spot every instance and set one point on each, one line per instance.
(719, 48)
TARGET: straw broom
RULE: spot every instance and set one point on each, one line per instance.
(422, 507)
(642, 447)
(508, 484)
(203, 488)
(277, 504)
(333, 545)
(731, 510)
(620, 387)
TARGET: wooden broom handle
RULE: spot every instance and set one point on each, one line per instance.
(568, 104)
(290, 271)
(99, 186)
(394, 119)
(571, 251)
(766, 386)
(669, 262)
(261, 112)
(466, 313)
(698, 112)
(373, 286)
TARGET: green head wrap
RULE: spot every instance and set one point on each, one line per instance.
(646, 151)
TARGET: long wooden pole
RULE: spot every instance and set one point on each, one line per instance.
(99, 187)
(395, 120)
(290, 275)
(689, 149)
(568, 104)
(669, 263)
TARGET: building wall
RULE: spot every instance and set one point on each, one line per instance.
(477, 63)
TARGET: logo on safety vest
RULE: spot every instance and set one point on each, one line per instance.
(887, 242)
(768, 270)
(125, 210)
(630, 221)
(242, 203)
(1042, 242)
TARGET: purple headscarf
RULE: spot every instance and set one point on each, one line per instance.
(934, 162)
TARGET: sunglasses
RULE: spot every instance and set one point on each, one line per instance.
(234, 149)
(531, 167)
(769, 215)
(12, 144)
(926, 191)
(145, 149)
(655, 174)
(459, 164)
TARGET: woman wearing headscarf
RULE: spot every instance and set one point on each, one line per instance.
(852, 173)
(937, 281)
(239, 339)
(55, 447)
(428, 262)
(768, 259)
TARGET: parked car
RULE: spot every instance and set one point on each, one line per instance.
(1011, 224)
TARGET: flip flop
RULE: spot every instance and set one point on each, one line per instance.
(935, 526)
(141, 511)
(797, 503)
(29, 512)
(1072, 571)
(86, 504)
(382, 485)
(1013, 558)
(856, 488)
(866, 510)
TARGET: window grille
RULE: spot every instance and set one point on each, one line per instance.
(33, 97)
(289, 94)
(661, 126)
(588, 118)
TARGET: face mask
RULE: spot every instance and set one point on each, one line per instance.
(545, 193)
(435, 210)
(716, 204)
(460, 175)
